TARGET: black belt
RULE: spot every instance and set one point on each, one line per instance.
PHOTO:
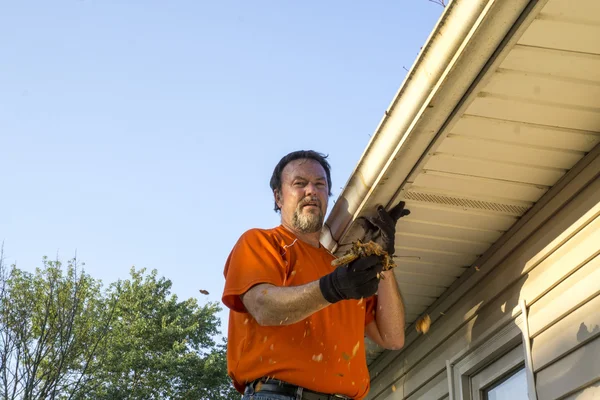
(287, 389)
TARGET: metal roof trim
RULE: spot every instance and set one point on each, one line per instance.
(422, 105)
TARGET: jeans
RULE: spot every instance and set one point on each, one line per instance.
(250, 394)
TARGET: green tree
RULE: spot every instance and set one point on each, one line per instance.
(51, 324)
(160, 347)
(62, 337)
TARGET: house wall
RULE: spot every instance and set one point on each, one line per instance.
(552, 264)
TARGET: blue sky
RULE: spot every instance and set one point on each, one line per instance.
(144, 133)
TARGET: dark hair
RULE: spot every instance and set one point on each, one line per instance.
(298, 155)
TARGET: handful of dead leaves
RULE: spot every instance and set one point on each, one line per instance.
(360, 249)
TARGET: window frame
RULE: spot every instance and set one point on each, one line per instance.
(487, 351)
(499, 370)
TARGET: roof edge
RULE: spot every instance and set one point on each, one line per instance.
(438, 58)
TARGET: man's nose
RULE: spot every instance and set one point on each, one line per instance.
(311, 189)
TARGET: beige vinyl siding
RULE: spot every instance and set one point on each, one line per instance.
(589, 393)
(436, 389)
(579, 369)
(555, 268)
(566, 354)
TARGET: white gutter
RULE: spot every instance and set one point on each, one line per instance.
(439, 78)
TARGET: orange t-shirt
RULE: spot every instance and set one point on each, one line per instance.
(324, 352)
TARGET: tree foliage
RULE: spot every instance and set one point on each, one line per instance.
(161, 348)
(51, 323)
(63, 337)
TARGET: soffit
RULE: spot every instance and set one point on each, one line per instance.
(535, 117)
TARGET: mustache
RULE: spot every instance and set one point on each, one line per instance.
(308, 201)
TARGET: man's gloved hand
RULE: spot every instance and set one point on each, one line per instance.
(355, 280)
(384, 224)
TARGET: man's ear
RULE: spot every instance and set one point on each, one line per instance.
(278, 198)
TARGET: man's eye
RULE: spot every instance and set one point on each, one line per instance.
(299, 184)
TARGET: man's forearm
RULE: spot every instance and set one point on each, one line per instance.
(273, 305)
(389, 316)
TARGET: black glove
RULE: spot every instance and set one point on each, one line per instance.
(383, 226)
(355, 280)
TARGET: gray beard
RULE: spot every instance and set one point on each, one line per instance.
(307, 223)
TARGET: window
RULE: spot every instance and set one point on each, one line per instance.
(504, 379)
(493, 367)
(512, 388)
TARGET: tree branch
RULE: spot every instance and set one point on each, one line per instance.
(439, 2)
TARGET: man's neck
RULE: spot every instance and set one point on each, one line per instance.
(313, 239)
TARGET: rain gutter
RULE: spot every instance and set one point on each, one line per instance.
(449, 63)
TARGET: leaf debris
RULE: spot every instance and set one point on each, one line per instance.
(360, 249)
(422, 325)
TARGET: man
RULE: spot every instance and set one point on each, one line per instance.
(297, 324)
